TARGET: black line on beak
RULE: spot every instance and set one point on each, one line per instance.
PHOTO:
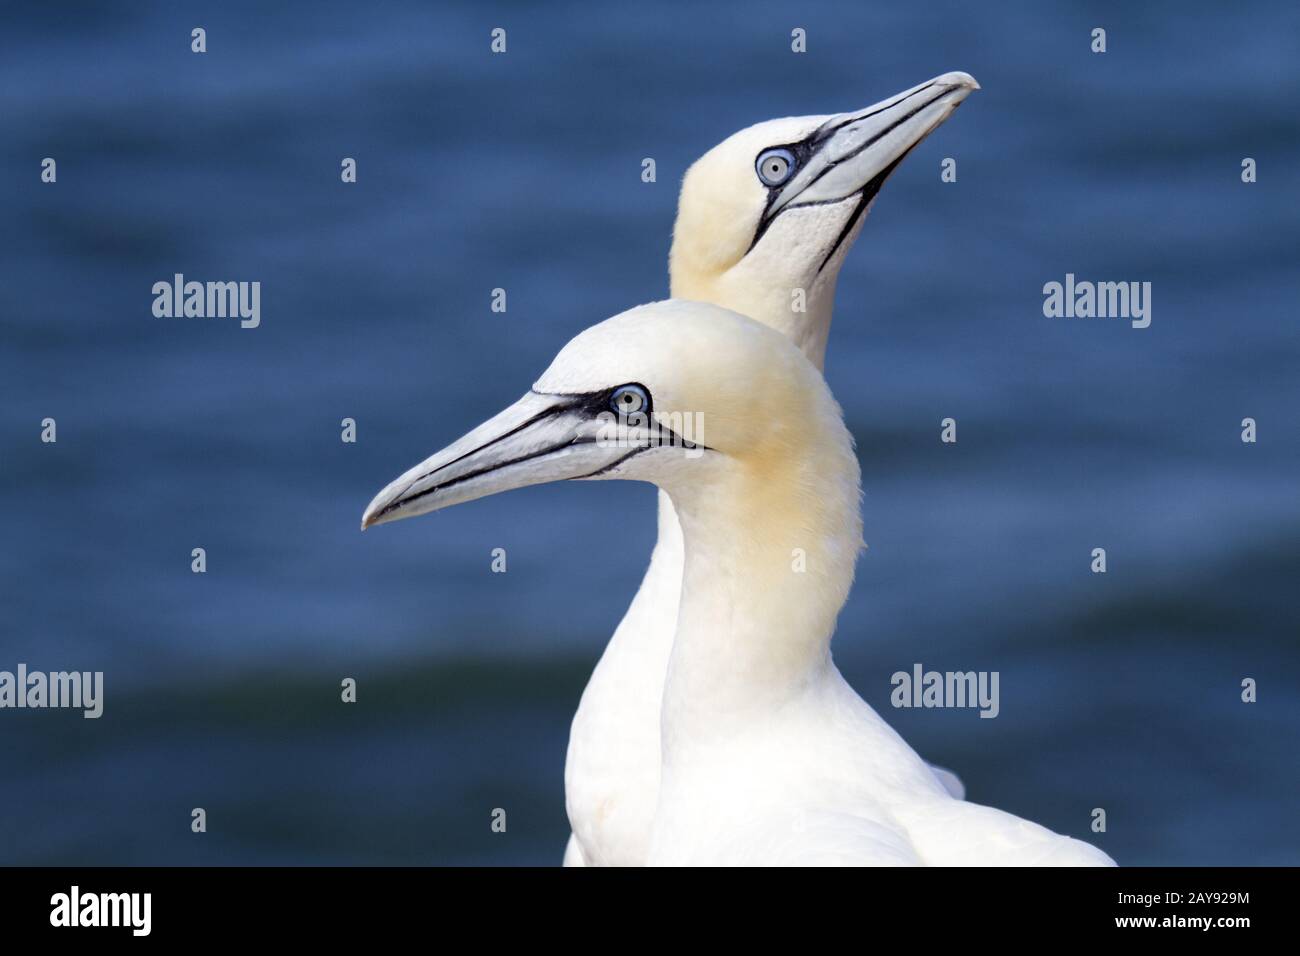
(879, 136)
(613, 464)
(864, 200)
(402, 502)
(544, 414)
(816, 142)
(827, 130)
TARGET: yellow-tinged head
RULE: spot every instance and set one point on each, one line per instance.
(766, 217)
(689, 396)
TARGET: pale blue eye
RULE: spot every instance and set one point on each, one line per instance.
(629, 399)
(775, 166)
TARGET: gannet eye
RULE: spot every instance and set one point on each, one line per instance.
(629, 399)
(774, 166)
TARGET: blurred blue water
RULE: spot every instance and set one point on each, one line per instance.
(522, 171)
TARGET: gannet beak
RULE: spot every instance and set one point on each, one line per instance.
(538, 439)
(854, 152)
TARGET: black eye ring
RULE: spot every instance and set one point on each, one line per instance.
(629, 400)
(775, 166)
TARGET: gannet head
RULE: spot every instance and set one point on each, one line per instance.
(676, 393)
(766, 217)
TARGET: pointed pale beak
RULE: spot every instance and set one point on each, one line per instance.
(538, 439)
(854, 152)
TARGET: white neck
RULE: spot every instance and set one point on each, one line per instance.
(769, 560)
(763, 284)
(757, 288)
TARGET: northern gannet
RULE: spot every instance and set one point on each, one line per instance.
(768, 756)
(767, 215)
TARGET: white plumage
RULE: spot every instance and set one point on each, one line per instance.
(767, 755)
(612, 770)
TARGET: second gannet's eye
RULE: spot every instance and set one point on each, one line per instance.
(629, 399)
(775, 166)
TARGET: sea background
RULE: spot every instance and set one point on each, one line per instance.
(522, 171)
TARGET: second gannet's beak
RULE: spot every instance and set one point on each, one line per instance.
(855, 152)
(540, 438)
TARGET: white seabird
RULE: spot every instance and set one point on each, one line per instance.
(770, 210)
(768, 756)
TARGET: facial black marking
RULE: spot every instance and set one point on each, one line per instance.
(802, 151)
(815, 142)
(589, 405)
(879, 136)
